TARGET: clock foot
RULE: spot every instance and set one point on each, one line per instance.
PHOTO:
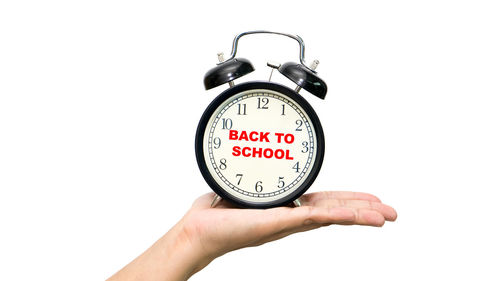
(215, 201)
(297, 202)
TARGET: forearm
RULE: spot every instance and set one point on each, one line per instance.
(172, 258)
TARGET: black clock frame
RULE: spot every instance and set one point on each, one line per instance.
(227, 94)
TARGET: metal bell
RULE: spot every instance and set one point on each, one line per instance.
(227, 72)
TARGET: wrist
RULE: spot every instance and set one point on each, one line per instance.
(179, 257)
(174, 257)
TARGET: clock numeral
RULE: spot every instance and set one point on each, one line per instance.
(282, 109)
(223, 164)
(299, 125)
(217, 142)
(240, 177)
(281, 183)
(258, 186)
(296, 167)
(305, 147)
(227, 124)
(262, 103)
(242, 110)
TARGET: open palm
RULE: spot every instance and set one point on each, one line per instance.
(205, 233)
(225, 228)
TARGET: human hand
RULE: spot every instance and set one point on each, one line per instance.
(206, 233)
(224, 228)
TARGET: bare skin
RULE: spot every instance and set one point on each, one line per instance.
(205, 233)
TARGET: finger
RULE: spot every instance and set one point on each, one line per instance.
(369, 217)
(204, 200)
(283, 234)
(341, 195)
(292, 219)
(341, 215)
(387, 211)
(318, 218)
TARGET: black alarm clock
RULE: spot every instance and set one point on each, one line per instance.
(260, 144)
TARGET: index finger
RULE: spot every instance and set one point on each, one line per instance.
(339, 195)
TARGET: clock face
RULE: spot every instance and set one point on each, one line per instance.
(259, 145)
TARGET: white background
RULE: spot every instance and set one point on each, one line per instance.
(99, 103)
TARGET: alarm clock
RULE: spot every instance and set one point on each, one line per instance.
(260, 144)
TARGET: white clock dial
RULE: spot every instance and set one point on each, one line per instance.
(259, 145)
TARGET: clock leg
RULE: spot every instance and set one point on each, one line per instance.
(297, 202)
(215, 201)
